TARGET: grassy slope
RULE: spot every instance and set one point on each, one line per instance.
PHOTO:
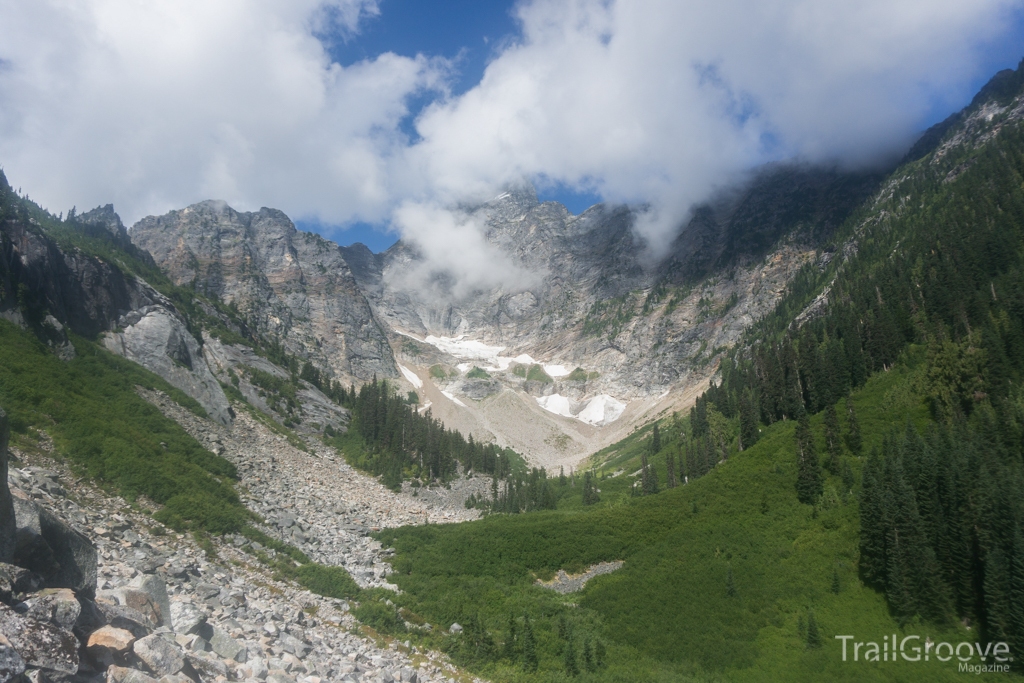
(668, 606)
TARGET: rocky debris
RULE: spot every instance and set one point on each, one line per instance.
(57, 606)
(318, 503)
(570, 583)
(228, 618)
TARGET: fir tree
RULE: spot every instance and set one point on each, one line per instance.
(670, 467)
(748, 421)
(590, 495)
(852, 427)
(655, 440)
(813, 636)
(600, 652)
(569, 658)
(847, 475)
(832, 438)
(509, 651)
(530, 660)
(648, 477)
(809, 480)
(588, 656)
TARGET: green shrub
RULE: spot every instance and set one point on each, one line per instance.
(380, 616)
(478, 373)
(537, 374)
(332, 582)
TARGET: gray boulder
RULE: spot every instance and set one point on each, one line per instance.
(222, 643)
(162, 658)
(39, 643)
(57, 606)
(15, 581)
(11, 663)
(156, 589)
(186, 618)
(8, 538)
(63, 556)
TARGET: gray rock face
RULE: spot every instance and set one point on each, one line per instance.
(8, 539)
(46, 545)
(39, 643)
(157, 338)
(295, 286)
(186, 617)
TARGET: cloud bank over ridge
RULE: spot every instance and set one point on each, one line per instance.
(160, 104)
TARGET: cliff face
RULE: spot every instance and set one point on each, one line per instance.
(291, 285)
(49, 287)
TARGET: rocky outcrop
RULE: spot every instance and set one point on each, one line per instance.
(48, 288)
(56, 551)
(290, 285)
(156, 338)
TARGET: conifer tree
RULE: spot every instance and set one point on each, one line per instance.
(590, 495)
(655, 440)
(730, 583)
(809, 480)
(813, 636)
(648, 477)
(852, 427)
(569, 658)
(670, 467)
(588, 656)
(832, 438)
(530, 660)
(748, 420)
(835, 581)
(509, 651)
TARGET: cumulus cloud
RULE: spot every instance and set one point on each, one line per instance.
(658, 103)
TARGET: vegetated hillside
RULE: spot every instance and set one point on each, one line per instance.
(894, 512)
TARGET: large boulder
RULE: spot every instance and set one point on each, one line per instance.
(11, 663)
(64, 557)
(40, 643)
(8, 538)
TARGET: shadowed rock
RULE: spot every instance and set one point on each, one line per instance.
(46, 545)
(8, 540)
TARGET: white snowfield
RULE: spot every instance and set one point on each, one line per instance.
(556, 371)
(475, 353)
(411, 376)
(453, 398)
(599, 411)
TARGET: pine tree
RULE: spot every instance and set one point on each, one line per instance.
(748, 420)
(852, 427)
(569, 658)
(655, 440)
(813, 636)
(809, 480)
(670, 467)
(832, 438)
(509, 651)
(588, 656)
(530, 660)
(648, 477)
(590, 495)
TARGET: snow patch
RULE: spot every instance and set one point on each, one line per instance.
(599, 411)
(557, 404)
(411, 376)
(556, 371)
(602, 410)
(451, 397)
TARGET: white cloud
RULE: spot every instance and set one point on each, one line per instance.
(159, 104)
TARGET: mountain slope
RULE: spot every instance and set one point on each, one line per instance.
(289, 285)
